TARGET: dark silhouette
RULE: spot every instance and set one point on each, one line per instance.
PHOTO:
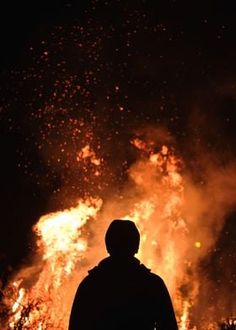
(120, 293)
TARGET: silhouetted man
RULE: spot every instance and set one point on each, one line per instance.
(120, 293)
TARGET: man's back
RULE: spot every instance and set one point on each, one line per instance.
(122, 294)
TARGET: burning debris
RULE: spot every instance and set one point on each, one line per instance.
(228, 324)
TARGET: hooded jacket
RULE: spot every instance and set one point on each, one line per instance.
(122, 294)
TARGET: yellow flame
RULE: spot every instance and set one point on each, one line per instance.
(61, 243)
(184, 317)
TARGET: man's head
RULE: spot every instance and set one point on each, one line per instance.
(122, 238)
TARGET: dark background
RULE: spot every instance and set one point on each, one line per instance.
(181, 60)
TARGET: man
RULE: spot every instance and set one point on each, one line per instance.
(120, 293)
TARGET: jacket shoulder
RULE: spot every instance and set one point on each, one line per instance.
(157, 281)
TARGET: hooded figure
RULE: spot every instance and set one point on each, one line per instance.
(120, 293)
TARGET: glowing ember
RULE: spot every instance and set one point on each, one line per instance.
(198, 244)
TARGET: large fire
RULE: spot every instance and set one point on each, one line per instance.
(69, 242)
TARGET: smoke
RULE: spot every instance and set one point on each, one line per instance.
(198, 217)
(208, 206)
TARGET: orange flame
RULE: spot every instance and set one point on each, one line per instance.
(62, 245)
(69, 242)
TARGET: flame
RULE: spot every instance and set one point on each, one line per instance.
(184, 317)
(87, 153)
(60, 233)
(17, 303)
(61, 246)
(69, 242)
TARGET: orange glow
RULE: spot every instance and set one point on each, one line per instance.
(184, 317)
(198, 245)
(61, 245)
(87, 153)
(71, 241)
(138, 143)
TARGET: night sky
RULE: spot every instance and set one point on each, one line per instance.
(109, 67)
